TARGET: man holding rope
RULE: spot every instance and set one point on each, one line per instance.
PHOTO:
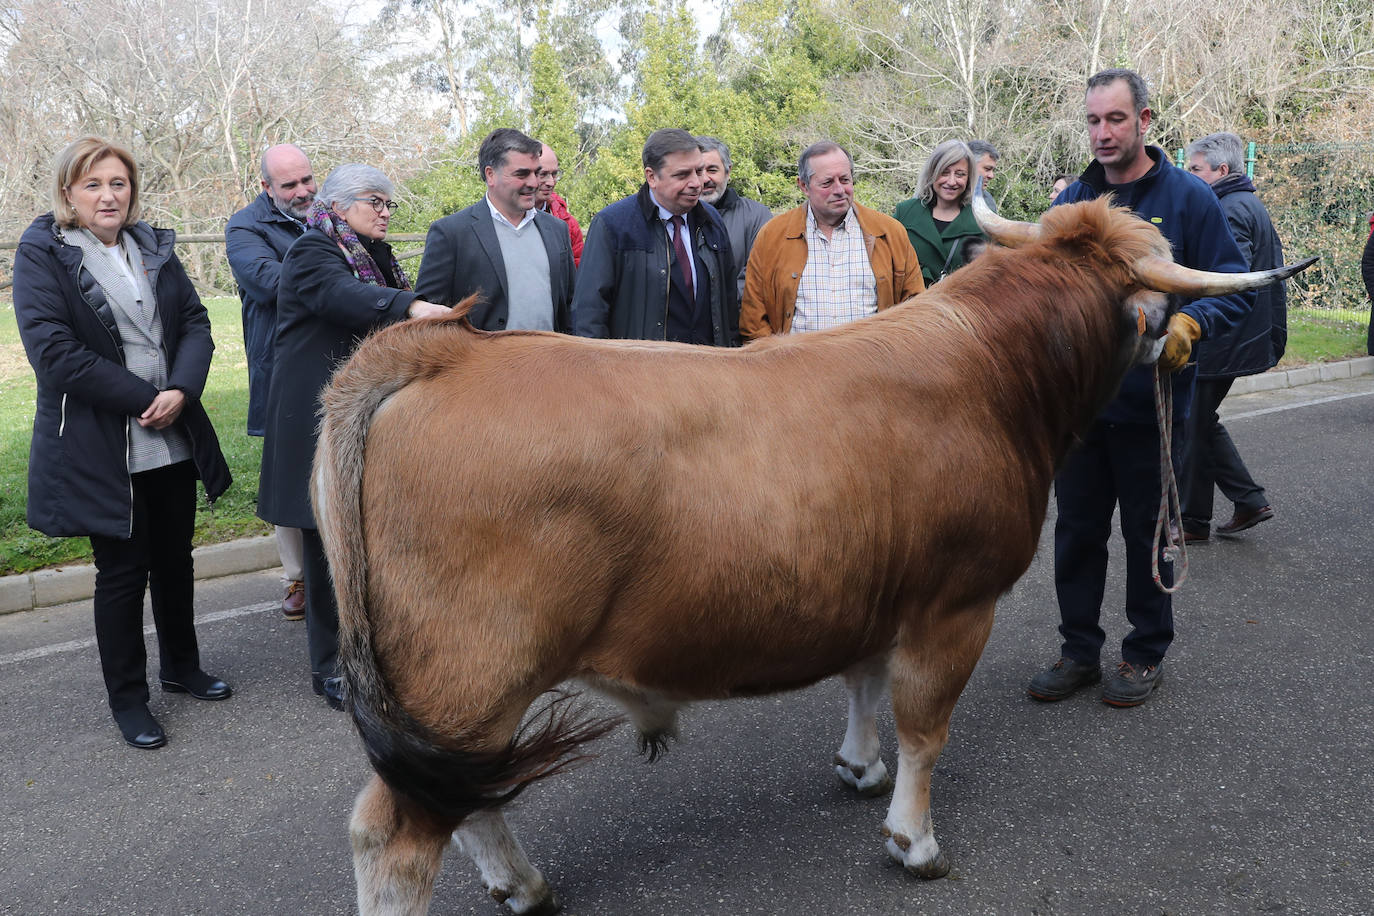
(1119, 462)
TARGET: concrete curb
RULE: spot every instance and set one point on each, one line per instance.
(1306, 375)
(62, 585)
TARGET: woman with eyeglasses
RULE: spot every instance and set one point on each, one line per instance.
(339, 281)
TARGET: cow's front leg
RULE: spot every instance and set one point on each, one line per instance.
(858, 763)
(928, 674)
(506, 870)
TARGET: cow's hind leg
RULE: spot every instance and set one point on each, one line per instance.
(928, 673)
(858, 763)
(397, 849)
(506, 870)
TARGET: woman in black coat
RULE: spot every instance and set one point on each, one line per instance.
(339, 281)
(121, 347)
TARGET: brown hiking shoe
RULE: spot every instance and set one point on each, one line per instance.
(293, 603)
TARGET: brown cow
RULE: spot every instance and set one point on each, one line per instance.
(669, 523)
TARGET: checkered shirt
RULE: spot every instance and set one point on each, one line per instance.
(837, 284)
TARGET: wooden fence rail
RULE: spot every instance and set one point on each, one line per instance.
(213, 238)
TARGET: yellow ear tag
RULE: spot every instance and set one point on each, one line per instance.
(1140, 321)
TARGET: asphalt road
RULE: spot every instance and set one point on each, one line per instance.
(1244, 786)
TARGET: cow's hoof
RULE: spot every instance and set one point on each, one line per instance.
(539, 901)
(922, 859)
(929, 871)
(868, 781)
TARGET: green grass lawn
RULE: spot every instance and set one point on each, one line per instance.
(1314, 336)
(226, 399)
(1320, 336)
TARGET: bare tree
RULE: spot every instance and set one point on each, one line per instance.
(197, 89)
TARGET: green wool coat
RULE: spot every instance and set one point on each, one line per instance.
(932, 246)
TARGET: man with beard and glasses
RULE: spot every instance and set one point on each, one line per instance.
(256, 240)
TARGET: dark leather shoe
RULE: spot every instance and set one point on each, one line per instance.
(1062, 679)
(1245, 518)
(293, 602)
(1132, 684)
(331, 688)
(1195, 537)
(200, 685)
(139, 728)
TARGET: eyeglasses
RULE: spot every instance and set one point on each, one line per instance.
(378, 205)
(546, 173)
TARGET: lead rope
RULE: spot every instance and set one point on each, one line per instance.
(1168, 499)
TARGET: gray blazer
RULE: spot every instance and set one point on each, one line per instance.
(462, 256)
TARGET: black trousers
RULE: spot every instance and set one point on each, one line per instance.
(157, 558)
(321, 613)
(1213, 462)
(1117, 465)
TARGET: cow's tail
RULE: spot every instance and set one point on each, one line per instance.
(434, 770)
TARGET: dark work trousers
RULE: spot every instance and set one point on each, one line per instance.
(156, 558)
(321, 613)
(1212, 459)
(1117, 465)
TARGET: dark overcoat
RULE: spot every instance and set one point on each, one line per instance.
(78, 457)
(1257, 341)
(255, 241)
(323, 310)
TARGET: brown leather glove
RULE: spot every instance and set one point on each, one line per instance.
(1178, 344)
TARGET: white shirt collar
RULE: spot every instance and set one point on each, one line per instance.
(663, 213)
(497, 214)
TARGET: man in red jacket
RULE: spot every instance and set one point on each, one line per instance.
(545, 198)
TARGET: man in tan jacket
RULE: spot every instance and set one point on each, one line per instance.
(828, 261)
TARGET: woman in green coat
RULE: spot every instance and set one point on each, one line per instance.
(939, 220)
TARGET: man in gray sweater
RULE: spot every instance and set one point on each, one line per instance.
(517, 257)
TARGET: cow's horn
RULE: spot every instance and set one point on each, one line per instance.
(1165, 276)
(1002, 231)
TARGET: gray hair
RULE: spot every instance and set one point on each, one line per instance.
(663, 143)
(711, 144)
(1140, 96)
(1218, 149)
(819, 148)
(941, 158)
(981, 148)
(349, 181)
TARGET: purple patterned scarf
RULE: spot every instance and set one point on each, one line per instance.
(359, 259)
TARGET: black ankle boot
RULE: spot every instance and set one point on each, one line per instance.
(139, 728)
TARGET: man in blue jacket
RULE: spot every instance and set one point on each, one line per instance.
(1118, 463)
(657, 265)
(256, 240)
(1247, 349)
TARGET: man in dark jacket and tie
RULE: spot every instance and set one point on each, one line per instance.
(517, 257)
(1248, 348)
(657, 264)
